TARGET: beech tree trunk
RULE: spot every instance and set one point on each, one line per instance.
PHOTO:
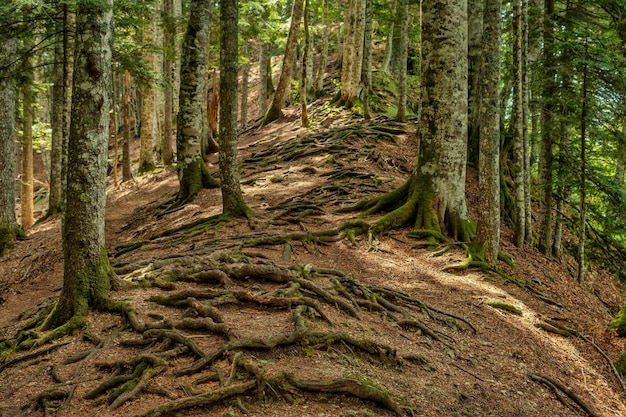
(263, 61)
(9, 228)
(245, 76)
(28, 118)
(304, 79)
(488, 227)
(403, 54)
(518, 156)
(475, 44)
(366, 70)
(167, 145)
(434, 197)
(389, 41)
(353, 30)
(275, 109)
(86, 278)
(193, 174)
(149, 124)
(126, 169)
(232, 199)
(321, 69)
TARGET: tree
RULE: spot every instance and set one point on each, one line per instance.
(232, 199)
(86, 275)
(171, 44)
(488, 227)
(28, 179)
(403, 55)
(321, 69)
(366, 68)
(193, 174)
(434, 196)
(354, 26)
(475, 32)
(9, 228)
(518, 155)
(304, 79)
(275, 109)
(126, 171)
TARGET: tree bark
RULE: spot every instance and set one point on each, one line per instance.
(304, 80)
(517, 116)
(488, 227)
(55, 202)
(149, 125)
(275, 109)
(620, 158)
(583, 181)
(321, 69)
(245, 77)
(366, 69)
(126, 169)
(27, 196)
(8, 223)
(263, 61)
(232, 199)
(86, 278)
(389, 41)
(528, 230)
(434, 197)
(167, 146)
(193, 174)
(475, 28)
(547, 125)
(403, 53)
(354, 20)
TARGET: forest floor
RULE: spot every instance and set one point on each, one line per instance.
(289, 314)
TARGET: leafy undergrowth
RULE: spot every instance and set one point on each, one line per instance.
(298, 312)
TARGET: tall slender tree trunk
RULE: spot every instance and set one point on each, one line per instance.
(528, 230)
(583, 181)
(9, 228)
(620, 158)
(69, 46)
(304, 79)
(245, 77)
(193, 174)
(547, 126)
(86, 277)
(275, 109)
(518, 156)
(126, 169)
(366, 70)
(321, 69)
(389, 41)
(55, 202)
(232, 199)
(475, 12)
(403, 54)
(488, 227)
(167, 144)
(149, 124)
(354, 26)
(263, 61)
(27, 198)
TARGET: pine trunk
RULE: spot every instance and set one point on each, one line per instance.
(488, 227)
(8, 223)
(275, 110)
(583, 182)
(55, 202)
(193, 174)
(232, 198)
(86, 278)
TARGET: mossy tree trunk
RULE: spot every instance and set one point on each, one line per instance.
(274, 111)
(403, 55)
(149, 125)
(475, 43)
(353, 29)
(232, 199)
(488, 227)
(8, 222)
(518, 156)
(86, 278)
(434, 197)
(193, 174)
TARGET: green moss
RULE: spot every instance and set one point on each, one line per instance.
(194, 176)
(145, 168)
(273, 113)
(505, 306)
(620, 365)
(619, 322)
(7, 239)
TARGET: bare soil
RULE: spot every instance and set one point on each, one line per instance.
(285, 315)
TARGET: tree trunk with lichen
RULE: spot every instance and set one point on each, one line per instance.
(488, 227)
(193, 174)
(86, 277)
(28, 118)
(274, 111)
(9, 228)
(232, 199)
(321, 69)
(366, 69)
(475, 43)
(354, 26)
(149, 124)
(403, 55)
(517, 116)
(434, 197)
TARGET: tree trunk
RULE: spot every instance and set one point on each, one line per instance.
(304, 80)
(126, 171)
(366, 69)
(55, 202)
(193, 174)
(547, 125)
(620, 158)
(321, 69)
(517, 116)
(245, 77)
(167, 145)
(583, 181)
(389, 41)
(149, 125)
(275, 110)
(488, 227)
(232, 198)
(69, 46)
(434, 197)
(475, 28)
(528, 230)
(403, 53)
(263, 61)
(354, 26)
(8, 224)
(27, 198)
(86, 278)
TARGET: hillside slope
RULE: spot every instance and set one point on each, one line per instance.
(293, 314)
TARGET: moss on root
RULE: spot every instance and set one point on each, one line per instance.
(194, 176)
(8, 235)
(272, 113)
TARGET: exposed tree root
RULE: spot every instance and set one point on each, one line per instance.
(560, 389)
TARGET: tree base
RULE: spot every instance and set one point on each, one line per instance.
(194, 176)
